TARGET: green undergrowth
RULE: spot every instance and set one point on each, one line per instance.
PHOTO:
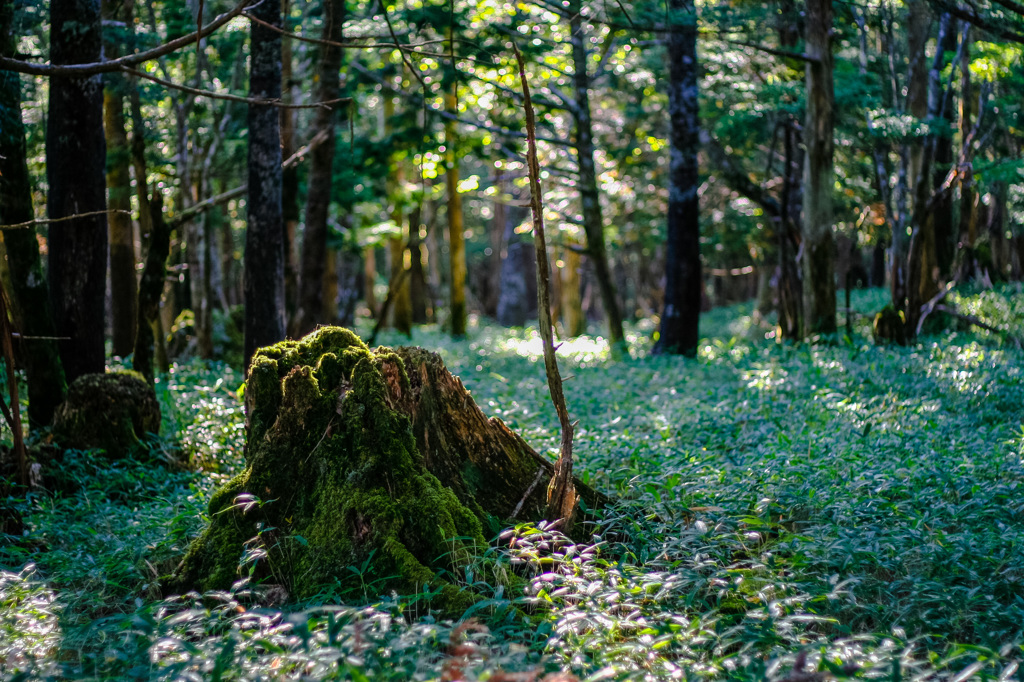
(835, 507)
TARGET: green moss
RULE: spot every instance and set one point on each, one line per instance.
(113, 412)
(331, 456)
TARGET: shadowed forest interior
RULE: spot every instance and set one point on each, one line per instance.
(543, 340)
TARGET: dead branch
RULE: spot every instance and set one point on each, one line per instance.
(82, 70)
(562, 499)
(232, 98)
(48, 221)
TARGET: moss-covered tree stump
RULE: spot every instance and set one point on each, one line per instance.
(113, 412)
(363, 458)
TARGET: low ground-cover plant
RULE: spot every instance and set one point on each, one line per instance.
(840, 507)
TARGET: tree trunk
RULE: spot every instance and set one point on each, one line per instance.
(138, 153)
(375, 456)
(790, 283)
(942, 156)
(119, 191)
(398, 286)
(683, 282)
(151, 287)
(370, 278)
(290, 178)
(75, 156)
(496, 233)
(593, 221)
(29, 290)
(518, 299)
(574, 324)
(417, 276)
(349, 275)
(456, 242)
(264, 237)
(318, 201)
(968, 210)
(918, 24)
(917, 277)
(819, 287)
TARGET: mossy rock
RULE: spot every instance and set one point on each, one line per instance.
(351, 464)
(114, 412)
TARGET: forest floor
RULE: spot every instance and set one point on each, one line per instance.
(783, 512)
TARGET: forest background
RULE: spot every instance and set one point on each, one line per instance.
(199, 193)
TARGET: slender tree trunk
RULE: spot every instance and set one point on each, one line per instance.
(593, 221)
(921, 252)
(29, 289)
(121, 233)
(968, 210)
(683, 282)
(456, 243)
(942, 214)
(151, 287)
(264, 237)
(75, 156)
(290, 181)
(417, 275)
(518, 298)
(574, 324)
(330, 287)
(918, 24)
(496, 233)
(996, 223)
(370, 278)
(398, 287)
(790, 284)
(819, 287)
(318, 201)
(138, 153)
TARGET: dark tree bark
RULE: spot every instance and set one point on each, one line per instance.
(593, 221)
(681, 315)
(119, 190)
(318, 201)
(29, 289)
(819, 287)
(264, 236)
(75, 156)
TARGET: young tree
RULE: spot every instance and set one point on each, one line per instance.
(264, 236)
(819, 287)
(683, 283)
(75, 159)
